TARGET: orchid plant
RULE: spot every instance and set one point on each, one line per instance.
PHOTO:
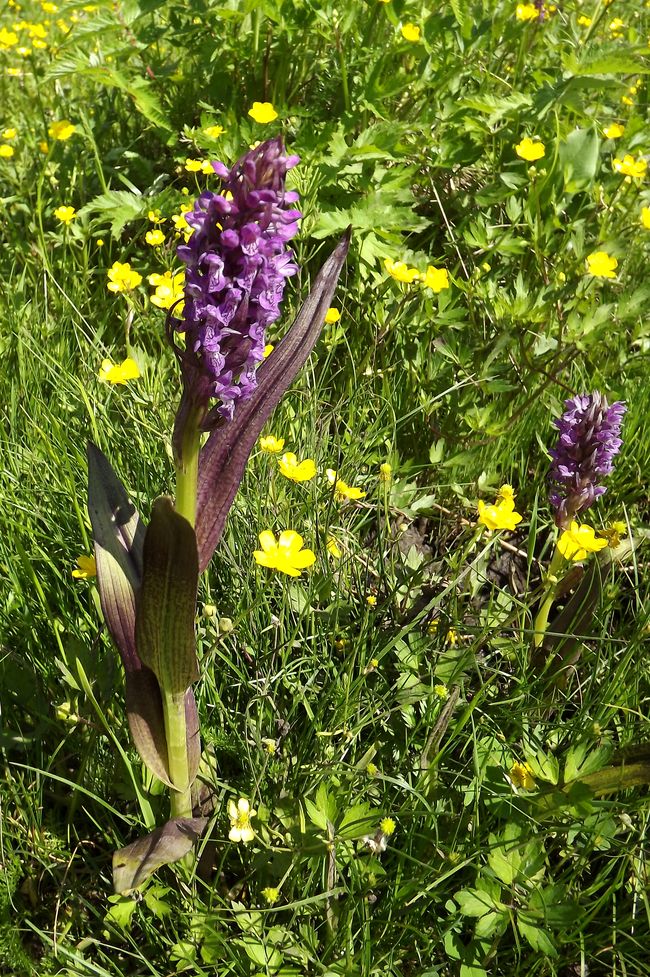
(237, 263)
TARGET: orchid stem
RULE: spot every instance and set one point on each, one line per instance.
(187, 470)
(541, 621)
(175, 733)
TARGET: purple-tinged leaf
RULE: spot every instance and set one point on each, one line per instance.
(166, 606)
(223, 457)
(119, 536)
(134, 864)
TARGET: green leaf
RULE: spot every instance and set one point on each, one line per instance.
(537, 937)
(134, 864)
(121, 911)
(117, 206)
(474, 902)
(356, 822)
(580, 158)
(164, 625)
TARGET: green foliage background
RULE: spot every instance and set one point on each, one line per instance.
(413, 145)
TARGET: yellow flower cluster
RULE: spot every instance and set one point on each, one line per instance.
(530, 149)
(168, 290)
(62, 129)
(526, 11)
(262, 113)
(285, 554)
(119, 373)
(629, 167)
(65, 214)
(122, 277)
(434, 278)
(502, 514)
(577, 541)
(601, 265)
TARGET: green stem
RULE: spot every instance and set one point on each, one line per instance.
(541, 621)
(176, 735)
(187, 470)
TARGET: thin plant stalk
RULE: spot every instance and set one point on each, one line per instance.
(541, 621)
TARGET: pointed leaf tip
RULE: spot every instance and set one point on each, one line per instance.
(134, 864)
(223, 457)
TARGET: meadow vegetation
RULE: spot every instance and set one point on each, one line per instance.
(402, 774)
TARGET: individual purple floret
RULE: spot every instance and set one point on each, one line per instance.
(237, 262)
(588, 442)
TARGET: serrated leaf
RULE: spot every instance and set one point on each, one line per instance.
(166, 605)
(134, 864)
(356, 822)
(117, 206)
(223, 457)
(121, 911)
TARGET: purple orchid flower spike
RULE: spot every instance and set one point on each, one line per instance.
(237, 264)
(588, 443)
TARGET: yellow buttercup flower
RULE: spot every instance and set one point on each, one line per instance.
(9, 134)
(501, 515)
(65, 214)
(240, 815)
(441, 691)
(576, 541)
(332, 315)
(297, 471)
(214, 132)
(119, 373)
(645, 217)
(601, 265)
(400, 271)
(435, 278)
(154, 237)
(43, 146)
(61, 130)
(285, 554)
(386, 472)
(193, 165)
(169, 289)
(156, 217)
(122, 277)
(614, 131)
(342, 490)
(270, 895)
(630, 167)
(262, 113)
(616, 27)
(584, 21)
(521, 775)
(8, 39)
(387, 825)
(6, 151)
(530, 149)
(506, 492)
(272, 444)
(526, 11)
(86, 568)
(410, 32)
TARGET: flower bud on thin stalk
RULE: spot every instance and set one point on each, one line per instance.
(588, 442)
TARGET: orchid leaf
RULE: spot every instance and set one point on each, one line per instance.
(119, 535)
(166, 606)
(223, 457)
(134, 864)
